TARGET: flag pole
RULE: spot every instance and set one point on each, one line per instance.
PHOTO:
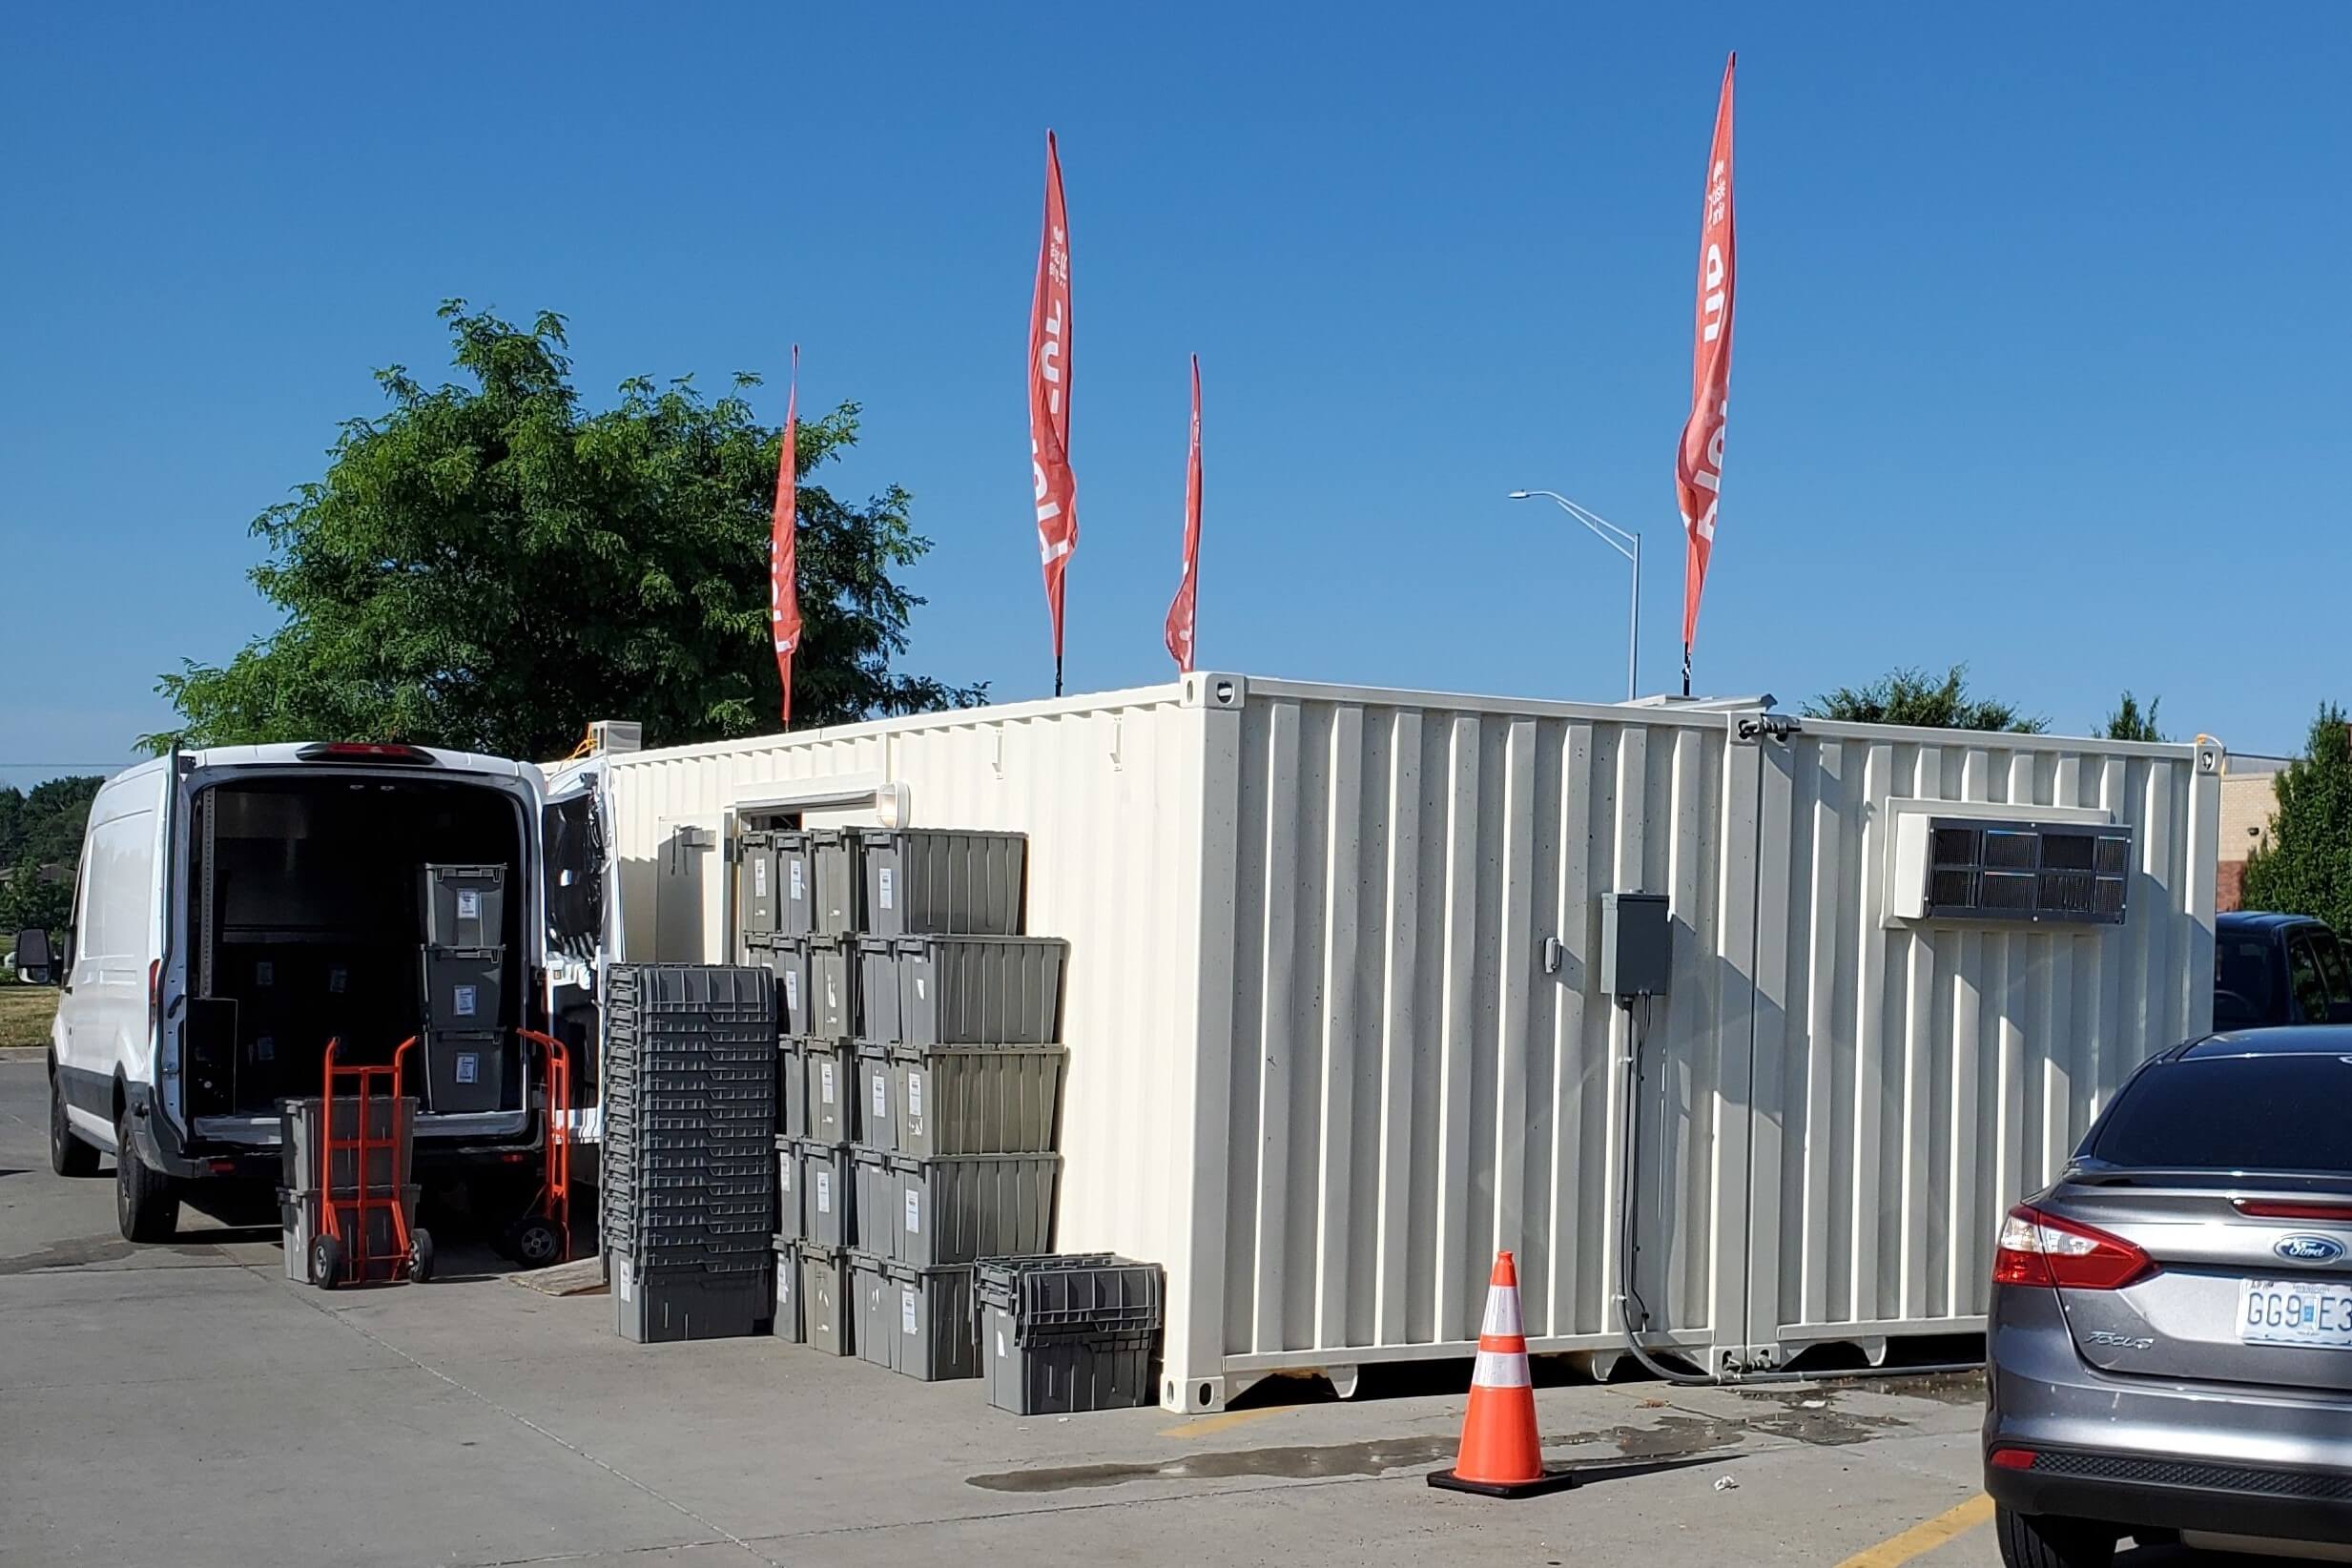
(1686, 670)
(1057, 674)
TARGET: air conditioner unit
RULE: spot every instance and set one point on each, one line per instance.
(1988, 869)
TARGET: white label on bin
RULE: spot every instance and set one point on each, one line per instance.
(882, 1096)
(824, 1192)
(759, 877)
(469, 903)
(914, 1095)
(999, 1344)
(824, 1081)
(266, 973)
(469, 1068)
(784, 1174)
(463, 1001)
(887, 882)
(832, 995)
(338, 979)
(625, 1282)
(791, 990)
(795, 882)
(918, 986)
(906, 1310)
(913, 1211)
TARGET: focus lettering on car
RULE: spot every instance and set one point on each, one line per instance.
(2309, 1249)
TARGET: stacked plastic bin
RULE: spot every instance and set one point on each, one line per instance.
(468, 1048)
(391, 1131)
(1058, 1335)
(946, 1089)
(689, 1164)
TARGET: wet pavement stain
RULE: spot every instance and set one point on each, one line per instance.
(1674, 1436)
(80, 1251)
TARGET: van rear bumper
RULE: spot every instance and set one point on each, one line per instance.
(163, 1147)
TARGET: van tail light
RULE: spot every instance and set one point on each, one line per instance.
(154, 994)
(2038, 1248)
(365, 750)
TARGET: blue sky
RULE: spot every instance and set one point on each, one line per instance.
(2038, 307)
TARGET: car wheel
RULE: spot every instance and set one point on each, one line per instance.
(146, 1203)
(68, 1154)
(2036, 1540)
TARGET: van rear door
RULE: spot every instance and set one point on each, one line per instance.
(582, 923)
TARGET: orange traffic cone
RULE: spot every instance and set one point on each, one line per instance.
(1501, 1454)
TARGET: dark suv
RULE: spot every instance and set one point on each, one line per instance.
(2274, 969)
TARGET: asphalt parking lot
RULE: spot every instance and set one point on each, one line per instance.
(188, 1405)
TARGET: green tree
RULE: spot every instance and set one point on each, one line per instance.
(2305, 866)
(489, 566)
(2128, 722)
(1912, 696)
(30, 899)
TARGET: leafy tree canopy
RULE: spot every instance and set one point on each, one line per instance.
(1914, 698)
(2129, 722)
(44, 824)
(489, 566)
(2305, 867)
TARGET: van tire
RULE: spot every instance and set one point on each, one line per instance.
(146, 1202)
(68, 1154)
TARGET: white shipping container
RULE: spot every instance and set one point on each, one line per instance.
(1337, 1034)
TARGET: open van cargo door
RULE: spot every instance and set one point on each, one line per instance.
(582, 923)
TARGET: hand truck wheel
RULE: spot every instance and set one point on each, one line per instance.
(326, 1261)
(420, 1255)
(534, 1242)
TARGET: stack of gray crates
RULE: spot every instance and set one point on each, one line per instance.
(690, 1191)
(466, 1045)
(391, 1130)
(919, 1090)
(1064, 1334)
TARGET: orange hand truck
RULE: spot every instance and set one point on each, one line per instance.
(542, 1234)
(340, 1250)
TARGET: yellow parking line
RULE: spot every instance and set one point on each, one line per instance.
(1923, 1537)
(1201, 1426)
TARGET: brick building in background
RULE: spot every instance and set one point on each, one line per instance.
(2249, 797)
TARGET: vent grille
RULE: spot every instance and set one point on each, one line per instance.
(2028, 872)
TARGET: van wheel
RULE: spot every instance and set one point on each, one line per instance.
(2031, 1541)
(146, 1203)
(68, 1154)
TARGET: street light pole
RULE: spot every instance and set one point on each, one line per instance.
(1627, 544)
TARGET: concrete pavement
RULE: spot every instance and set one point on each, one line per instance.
(188, 1405)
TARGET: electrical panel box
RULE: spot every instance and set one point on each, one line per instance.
(1635, 944)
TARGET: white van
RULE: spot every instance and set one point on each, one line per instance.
(239, 907)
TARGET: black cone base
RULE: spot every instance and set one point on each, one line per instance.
(1551, 1480)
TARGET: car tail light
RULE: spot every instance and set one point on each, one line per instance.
(2308, 1213)
(365, 750)
(2038, 1248)
(2010, 1458)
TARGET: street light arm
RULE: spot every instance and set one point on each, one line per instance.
(1621, 540)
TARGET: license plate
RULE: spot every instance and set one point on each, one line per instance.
(2296, 1311)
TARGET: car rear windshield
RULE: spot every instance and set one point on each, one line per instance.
(2232, 1113)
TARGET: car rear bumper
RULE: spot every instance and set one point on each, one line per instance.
(2144, 1451)
(2177, 1493)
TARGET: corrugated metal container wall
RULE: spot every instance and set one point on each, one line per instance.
(1321, 1070)
(1914, 1080)
(1108, 790)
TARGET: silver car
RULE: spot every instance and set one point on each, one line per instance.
(2170, 1342)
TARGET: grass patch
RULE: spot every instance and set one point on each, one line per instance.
(25, 1011)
